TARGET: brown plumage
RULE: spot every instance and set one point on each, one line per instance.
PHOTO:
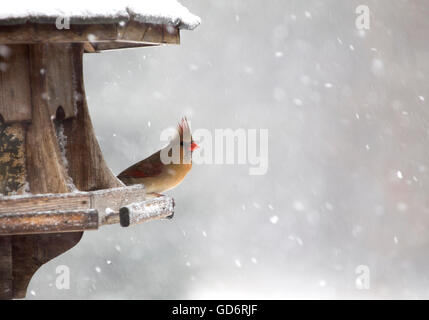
(157, 176)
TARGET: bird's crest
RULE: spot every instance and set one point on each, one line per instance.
(185, 134)
(184, 130)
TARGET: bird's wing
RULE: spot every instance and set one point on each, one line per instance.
(146, 168)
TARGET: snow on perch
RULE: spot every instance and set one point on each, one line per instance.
(85, 12)
(139, 212)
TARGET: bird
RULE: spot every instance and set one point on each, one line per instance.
(158, 176)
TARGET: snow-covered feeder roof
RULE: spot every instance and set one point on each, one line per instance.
(135, 22)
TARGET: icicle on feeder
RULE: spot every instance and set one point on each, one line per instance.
(53, 179)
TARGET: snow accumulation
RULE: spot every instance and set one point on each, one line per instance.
(107, 11)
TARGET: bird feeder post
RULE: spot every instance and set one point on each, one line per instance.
(54, 181)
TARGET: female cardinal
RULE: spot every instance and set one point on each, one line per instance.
(157, 175)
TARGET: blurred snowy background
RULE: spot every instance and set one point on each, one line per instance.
(348, 178)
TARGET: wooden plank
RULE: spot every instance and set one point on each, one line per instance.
(45, 168)
(89, 48)
(108, 202)
(115, 45)
(48, 222)
(15, 93)
(12, 160)
(128, 34)
(45, 202)
(153, 34)
(104, 201)
(6, 276)
(133, 31)
(59, 79)
(38, 33)
(170, 34)
(86, 165)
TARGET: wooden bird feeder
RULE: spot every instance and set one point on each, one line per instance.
(54, 182)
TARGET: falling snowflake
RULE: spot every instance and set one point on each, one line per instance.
(237, 263)
(274, 219)
(92, 37)
(402, 206)
(329, 206)
(298, 206)
(297, 102)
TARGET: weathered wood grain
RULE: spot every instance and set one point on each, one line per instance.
(89, 48)
(153, 34)
(6, 276)
(86, 165)
(48, 221)
(45, 202)
(170, 34)
(115, 45)
(12, 160)
(108, 202)
(15, 93)
(112, 198)
(129, 32)
(45, 169)
(132, 31)
(59, 79)
(32, 33)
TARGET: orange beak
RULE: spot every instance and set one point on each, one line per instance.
(194, 146)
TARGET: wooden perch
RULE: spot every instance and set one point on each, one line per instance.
(79, 211)
(48, 222)
(139, 212)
